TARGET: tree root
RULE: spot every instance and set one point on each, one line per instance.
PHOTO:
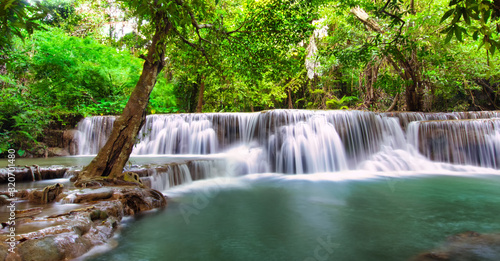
(126, 179)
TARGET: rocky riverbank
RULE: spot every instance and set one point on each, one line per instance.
(40, 235)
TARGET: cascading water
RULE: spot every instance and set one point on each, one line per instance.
(177, 134)
(93, 132)
(308, 147)
(300, 141)
(466, 142)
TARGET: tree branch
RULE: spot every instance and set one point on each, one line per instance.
(395, 17)
(194, 22)
(198, 47)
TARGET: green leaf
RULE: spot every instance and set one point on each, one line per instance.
(458, 14)
(475, 35)
(447, 29)
(446, 15)
(466, 17)
(458, 33)
(448, 37)
(487, 15)
(20, 152)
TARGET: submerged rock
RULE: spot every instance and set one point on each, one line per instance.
(467, 246)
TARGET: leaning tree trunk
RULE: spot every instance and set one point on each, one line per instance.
(111, 159)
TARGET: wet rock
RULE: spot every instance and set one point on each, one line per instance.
(43, 249)
(70, 142)
(3, 251)
(73, 175)
(131, 177)
(28, 212)
(57, 152)
(112, 209)
(70, 235)
(72, 246)
(47, 195)
(53, 138)
(88, 195)
(4, 200)
(146, 181)
(32, 173)
(136, 200)
(465, 246)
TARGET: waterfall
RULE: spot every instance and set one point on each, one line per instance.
(93, 132)
(304, 141)
(176, 134)
(466, 142)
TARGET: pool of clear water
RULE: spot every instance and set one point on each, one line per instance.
(281, 217)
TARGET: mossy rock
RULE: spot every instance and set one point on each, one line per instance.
(43, 249)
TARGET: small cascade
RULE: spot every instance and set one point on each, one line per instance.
(176, 134)
(360, 133)
(466, 142)
(93, 132)
(406, 118)
(169, 176)
(247, 159)
(176, 174)
(308, 147)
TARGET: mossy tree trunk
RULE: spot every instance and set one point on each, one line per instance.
(112, 158)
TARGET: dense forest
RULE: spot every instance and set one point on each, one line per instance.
(61, 60)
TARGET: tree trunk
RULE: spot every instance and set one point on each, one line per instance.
(200, 94)
(114, 155)
(414, 92)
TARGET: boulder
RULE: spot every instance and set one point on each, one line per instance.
(57, 152)
(42, 249)
(4, 200)
(47, 195)
(465, 246)
(136, 200)
(70, 142)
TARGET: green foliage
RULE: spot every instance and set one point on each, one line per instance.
(17, 16)
(481, 18)
(162, 99)
(74, 73)
(342, 103)
(22, 121)
(51, 75)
